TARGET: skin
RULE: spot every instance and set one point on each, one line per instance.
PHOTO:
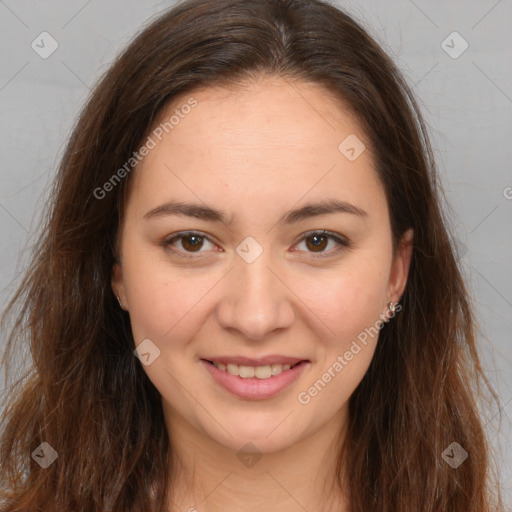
(255, 153)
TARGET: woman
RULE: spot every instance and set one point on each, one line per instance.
(246, 296)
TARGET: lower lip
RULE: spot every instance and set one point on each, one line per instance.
(254, 388)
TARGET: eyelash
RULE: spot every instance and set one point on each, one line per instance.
(342, 242)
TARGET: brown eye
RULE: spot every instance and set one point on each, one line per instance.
(190, 243)
(318, 242)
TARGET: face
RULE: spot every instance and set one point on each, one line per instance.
(279, 275)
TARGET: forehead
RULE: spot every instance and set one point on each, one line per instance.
(264, 111)
(272, 139)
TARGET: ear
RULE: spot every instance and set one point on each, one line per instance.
(118, 286)
(400, 267)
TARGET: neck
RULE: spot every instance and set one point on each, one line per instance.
(210, 477)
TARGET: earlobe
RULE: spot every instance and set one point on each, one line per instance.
(401, 264)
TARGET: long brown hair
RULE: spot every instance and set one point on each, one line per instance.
(86, 393)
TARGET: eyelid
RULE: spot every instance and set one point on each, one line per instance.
(342, 242)
(166, 243)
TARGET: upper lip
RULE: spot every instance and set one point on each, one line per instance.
(261, 361)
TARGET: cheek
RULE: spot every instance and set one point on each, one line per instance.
(347, 298)
(163, 309)
(160, 301)
(352, 299)
(350, 306)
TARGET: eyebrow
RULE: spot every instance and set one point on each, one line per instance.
(207, 213)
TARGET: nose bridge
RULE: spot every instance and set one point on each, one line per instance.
(255, 301)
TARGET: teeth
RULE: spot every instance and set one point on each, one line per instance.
(263, 372)
(232, 369)
(276, 369)
(247, 372)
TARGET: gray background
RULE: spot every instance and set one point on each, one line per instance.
(467, 103)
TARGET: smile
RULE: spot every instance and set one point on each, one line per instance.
(254, 382)
(260, 372)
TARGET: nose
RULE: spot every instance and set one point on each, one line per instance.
(256, 300)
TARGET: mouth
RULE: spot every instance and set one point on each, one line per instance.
(254, 381)
(245, 371)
